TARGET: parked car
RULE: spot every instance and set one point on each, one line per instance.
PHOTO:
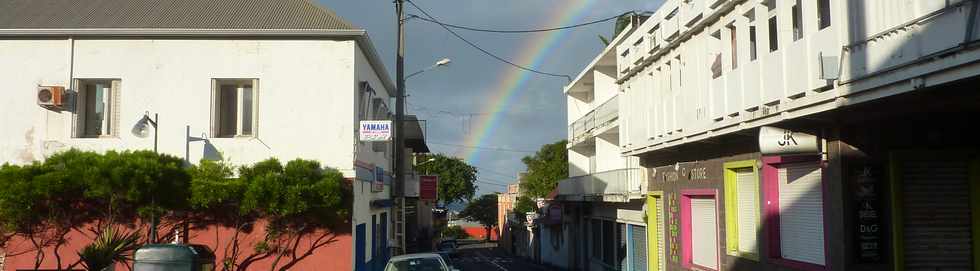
(448, 247)
(418, 262)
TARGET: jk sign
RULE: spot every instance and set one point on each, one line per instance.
(375, 130)
(775, 141)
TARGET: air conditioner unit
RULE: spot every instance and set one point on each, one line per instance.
(50, 96)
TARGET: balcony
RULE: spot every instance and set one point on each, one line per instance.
(592, 124)
(620, 185)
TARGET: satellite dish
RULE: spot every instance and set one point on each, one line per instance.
(141, 129)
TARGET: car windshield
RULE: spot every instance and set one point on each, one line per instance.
(416, 264)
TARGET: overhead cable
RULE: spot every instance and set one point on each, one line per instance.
(488, 53)
(521, 31)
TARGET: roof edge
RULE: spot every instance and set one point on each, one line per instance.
(611, 47)
(177, 32)
(359, 35)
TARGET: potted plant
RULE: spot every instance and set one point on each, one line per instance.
(110, 247)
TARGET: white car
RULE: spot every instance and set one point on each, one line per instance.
(418, 262)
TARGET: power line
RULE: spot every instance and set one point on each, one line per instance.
(522, 31)
(490, 183)
(481, 148)
(488, 53)
(485, 170)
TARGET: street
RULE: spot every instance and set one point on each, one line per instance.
(486, 257)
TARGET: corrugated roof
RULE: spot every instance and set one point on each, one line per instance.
(177, 14)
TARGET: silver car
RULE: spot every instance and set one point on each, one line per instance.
(418, 262)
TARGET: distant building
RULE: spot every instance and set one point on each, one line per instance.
(258, 79)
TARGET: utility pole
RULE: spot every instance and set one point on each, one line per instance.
(399, 153)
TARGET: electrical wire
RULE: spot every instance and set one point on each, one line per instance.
(522, 31)
(481, 148)
(491, 183)
(488, 53)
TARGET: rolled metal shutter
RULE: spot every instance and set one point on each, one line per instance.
(662, 236)
(801, 236)
(704, 225)
(748, 210)
(936, 215)
(639, 248)
(621, 260)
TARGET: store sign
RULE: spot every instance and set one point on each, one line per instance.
(428, 187)
(375, 130)
(776, 141)
(869, 228)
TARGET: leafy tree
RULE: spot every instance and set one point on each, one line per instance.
(524, 205)
(544, 169)
(455, 231)
(456, 177)
(482, 210)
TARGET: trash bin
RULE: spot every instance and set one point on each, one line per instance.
(174, 257)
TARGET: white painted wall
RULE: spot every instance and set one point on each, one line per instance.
(307, 107)
(685, 101)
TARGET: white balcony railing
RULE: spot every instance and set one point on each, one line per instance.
(600, 117)
(618, 184)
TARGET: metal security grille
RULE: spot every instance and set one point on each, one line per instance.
(801, 236)
(621, 237)
(704, 225)
(936, 215)
(748, 210)
(639, 248)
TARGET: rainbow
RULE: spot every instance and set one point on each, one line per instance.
(533, 53)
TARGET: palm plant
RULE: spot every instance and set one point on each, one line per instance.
(109, 247)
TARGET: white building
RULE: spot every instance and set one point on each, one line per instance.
(256, 79)
(884, 91)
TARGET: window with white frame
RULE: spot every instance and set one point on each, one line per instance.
(97, 107)
(235, 104)
(797, 20)
(750, 17)
(823, 14)
(773, 26)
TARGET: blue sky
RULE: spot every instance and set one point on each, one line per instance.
(538, 116)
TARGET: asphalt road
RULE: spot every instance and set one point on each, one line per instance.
(486, 257)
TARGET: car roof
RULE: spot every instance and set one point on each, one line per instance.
(415, 256)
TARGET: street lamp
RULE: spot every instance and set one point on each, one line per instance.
(440, 63)
(141, 130)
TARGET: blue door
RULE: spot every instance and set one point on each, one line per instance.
(359, 264)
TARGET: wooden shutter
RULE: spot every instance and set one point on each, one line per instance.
(639, 248)
(936, 215)
(704, 238)
(748, 211)
(801, 236)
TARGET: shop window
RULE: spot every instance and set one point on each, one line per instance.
(699, 222)
(795, 211)
(235, 107)
(742, 209)
(608, 242)
(97, 108)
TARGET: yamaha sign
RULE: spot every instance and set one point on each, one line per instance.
(375, 130)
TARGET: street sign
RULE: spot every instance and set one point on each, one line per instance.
(428, 187)
(375, 130)
(776, 141)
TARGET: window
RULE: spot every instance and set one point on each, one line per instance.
(797, 20)
(699, 224)
(97, 108)
(742, 209)
(770, 5)
(235, 106)
(773, 35)
(752, 44)
(716, 51)
(734, 44)
(823, 13)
